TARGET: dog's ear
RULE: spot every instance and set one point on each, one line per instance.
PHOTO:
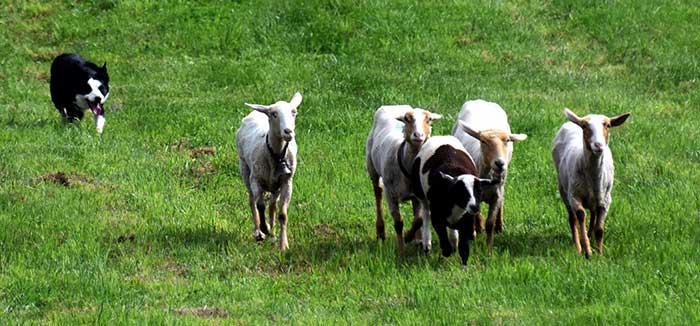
(104, 67)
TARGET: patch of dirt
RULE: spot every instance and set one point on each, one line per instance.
(40, 75)
(175, 267)
(66, 180)
(324, 230)
(203, 169)
(196, 152)
(126, 237)
(44, 54)
(204, 312)
(180, 144)
(115, 105)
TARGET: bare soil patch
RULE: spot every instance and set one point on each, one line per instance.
(204, 312)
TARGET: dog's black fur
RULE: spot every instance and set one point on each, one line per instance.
(71, 91)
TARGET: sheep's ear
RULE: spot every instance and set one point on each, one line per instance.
(447, 177)
(435, 116)
(572, 116)
(469, 130)
(620, 119)
(259, 107)
(517, 137)
(296, 100)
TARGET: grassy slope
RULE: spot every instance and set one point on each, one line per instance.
(180, 72)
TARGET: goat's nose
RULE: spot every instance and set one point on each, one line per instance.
(288, 131)
(598, 146)
(474, 208)
(499, 164)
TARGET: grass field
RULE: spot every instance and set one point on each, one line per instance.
(139, 229)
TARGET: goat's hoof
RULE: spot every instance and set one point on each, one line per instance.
(381, 235)
(408, 237)
(265, 228)
(258, 235)
(447, 252)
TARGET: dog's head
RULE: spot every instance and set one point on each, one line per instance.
(94, 92)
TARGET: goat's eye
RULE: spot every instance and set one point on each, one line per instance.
(274, 114)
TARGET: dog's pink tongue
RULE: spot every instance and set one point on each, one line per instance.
(97, 109)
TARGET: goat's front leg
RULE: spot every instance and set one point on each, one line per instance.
(285, 198)
(410, 235)
(264, 227)
(274, 198)
(581, 219)
(490, 221)
(393, 204)
(254, 197)
(498, 228)
(599, 229)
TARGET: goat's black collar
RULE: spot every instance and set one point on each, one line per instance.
(399, 156)
(279, 158)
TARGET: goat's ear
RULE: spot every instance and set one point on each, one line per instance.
(620, 119)
(469, 130)
(488, 182)
(447, 177)
(517, 137)
(296, 100)
(259, 107)
(435, 116)
(572, 116)
(406, 118)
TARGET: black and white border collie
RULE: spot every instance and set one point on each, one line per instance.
(78, 85)
(444, 178)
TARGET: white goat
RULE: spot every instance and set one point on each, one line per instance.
(267, 152)
(397, 135)
(585, 173)
(482, 127)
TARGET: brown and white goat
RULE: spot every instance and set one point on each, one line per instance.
(397, 134)
(483, 128)
(585, 173)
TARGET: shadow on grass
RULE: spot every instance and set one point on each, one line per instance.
(13, 123)
(172, 235)
(527, 244)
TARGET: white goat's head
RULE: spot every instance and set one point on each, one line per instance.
(417, 125)
(281, 116)
(494, 146)
(596, 129)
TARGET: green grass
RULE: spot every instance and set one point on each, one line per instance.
(147, 234)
